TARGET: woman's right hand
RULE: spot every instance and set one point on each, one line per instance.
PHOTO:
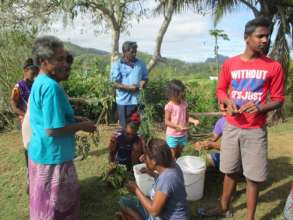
(142, 158)
(131, 186)
(88, 126)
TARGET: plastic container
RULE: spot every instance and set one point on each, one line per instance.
(143, 180)
(193, 169)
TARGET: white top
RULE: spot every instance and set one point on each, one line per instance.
(26, 129)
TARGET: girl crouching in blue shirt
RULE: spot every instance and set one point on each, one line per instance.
(168, 197)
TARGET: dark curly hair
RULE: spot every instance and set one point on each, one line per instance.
(29, 64)
(251, 25)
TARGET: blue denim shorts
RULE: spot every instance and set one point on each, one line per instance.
(216, 159)
(174, 142)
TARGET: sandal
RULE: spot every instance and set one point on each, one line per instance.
(120, 216)
(214, 212)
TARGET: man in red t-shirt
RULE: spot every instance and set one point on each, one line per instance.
(245, 83)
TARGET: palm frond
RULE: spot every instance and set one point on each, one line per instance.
(280, 50)
(223, 7)
(290, 22)
(180, 6)
(160, 8)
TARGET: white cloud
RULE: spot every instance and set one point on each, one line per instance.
(187, 26)
(187, 37)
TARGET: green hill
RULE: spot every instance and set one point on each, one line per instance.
(169, 68)
(78, 50)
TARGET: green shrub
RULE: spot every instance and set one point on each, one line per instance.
(91, 83)
(155, 96)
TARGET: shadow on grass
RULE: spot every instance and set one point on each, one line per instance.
(279, 170)
(212, 191)
(99, 152)
(98, 201)
(278, 193)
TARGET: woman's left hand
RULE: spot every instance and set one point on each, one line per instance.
(141, 158)
(131, 186)
(196, 122)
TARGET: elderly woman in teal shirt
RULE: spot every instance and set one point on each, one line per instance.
(54, 187)
(129, 75)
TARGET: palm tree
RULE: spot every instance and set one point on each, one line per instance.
(217, 33)
(279, 12)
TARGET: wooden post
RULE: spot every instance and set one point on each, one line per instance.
(196, 114)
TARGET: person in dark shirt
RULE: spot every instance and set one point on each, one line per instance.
(21, 91)
(126, 145)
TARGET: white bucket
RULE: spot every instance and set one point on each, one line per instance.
(193, 169)
(143, 180)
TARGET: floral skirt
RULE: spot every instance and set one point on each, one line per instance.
(54, 192)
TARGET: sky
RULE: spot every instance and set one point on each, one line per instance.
(187, 37)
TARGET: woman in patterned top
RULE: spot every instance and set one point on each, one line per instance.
(22, 89)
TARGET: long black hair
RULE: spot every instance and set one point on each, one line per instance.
(157, 149)
(175, 88)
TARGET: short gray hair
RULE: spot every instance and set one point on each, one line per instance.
(128, 45)
(44, 48)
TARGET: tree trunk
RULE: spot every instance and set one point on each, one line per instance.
(281, 53)
(217, 56)
(115, 44)
(167, 19)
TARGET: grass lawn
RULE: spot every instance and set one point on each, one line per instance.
(100, 202)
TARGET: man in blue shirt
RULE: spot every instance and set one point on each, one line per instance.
(129, 75)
